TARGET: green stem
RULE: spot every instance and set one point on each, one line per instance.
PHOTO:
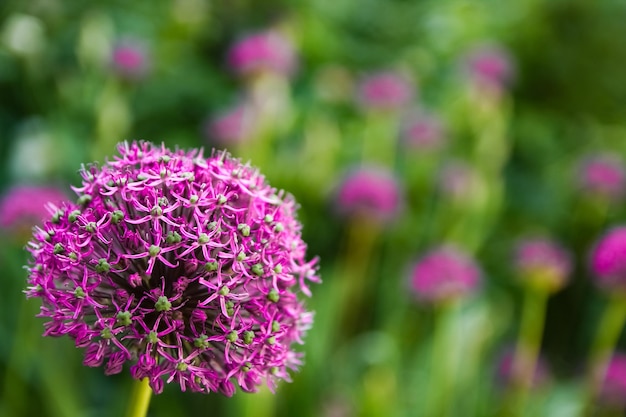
(611, 325)
(379, 145)
(528, 344)
(14, 389)
(140, 399)
(442, 384)
(357, 278)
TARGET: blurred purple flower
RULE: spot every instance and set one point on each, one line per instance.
(457, 180)
(130, 60)
(385, 90)
(231, 127)
(505, 369)
(443, 274)
(542, 263)
(490, 66)
(423, 132)
(608, 260)
(263, 52)
(603, 175)
(25, 205)
(188, 267)
(371, 192)
(613, 390)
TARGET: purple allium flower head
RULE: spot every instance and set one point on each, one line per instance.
(505, 372)
(232, 126)
(187, 267)
(603, 175)
(457, 180)
(25, 205)
(443, 274)
(542, 263)
(372, 192)
(386, 90)
(130, 60)
(613, 390)
(608, 260)
(423, 132)
(490, 66)
(267, 51)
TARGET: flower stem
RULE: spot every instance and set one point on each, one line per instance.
(528, 344)
(442, 384)
(357, 278)
(140, 399)
(378, 146)
(611, 325)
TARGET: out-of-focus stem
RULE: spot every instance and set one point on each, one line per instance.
(13, 393)
(442, 387)
(379, 139)
(610, 328)
(140, 399)
(361, 238)
(528, 345)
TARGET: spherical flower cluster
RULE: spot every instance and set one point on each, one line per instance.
(490, 66)
(25, 205)
(443, 274)
(370, 192)
(542, 263)
(603, 175)
(187, 267)
(423, 132)
(608, 260)
(507, 375)
(386, 90)
(613, 390)
(130, 60)
(457, 180)
(231, 127)
(263, 52)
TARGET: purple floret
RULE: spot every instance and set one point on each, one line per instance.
(187, 267)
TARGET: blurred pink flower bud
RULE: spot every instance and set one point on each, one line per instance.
(457, 180)
(24, 206)
(613, 392)
(608, 260)
(490, 66)
(130, 60)
(371, 192)
(444, 274)
(603, 175)
(542, 263)
(263, 52)
(423, 132)
(386, 90)
(507, 376)
(231, 127)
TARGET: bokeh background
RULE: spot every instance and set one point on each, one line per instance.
(493, 122)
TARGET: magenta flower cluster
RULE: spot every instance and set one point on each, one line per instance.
(613, 390)
(25, 205)
(233, 126)
(130, 60)
(603, 175)
(370, 192)
(423, 132)
(490, 66)
(385, 90)
(443, 274)
(187, 267)
(608, 260)
(267, 51)
(542, 263)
